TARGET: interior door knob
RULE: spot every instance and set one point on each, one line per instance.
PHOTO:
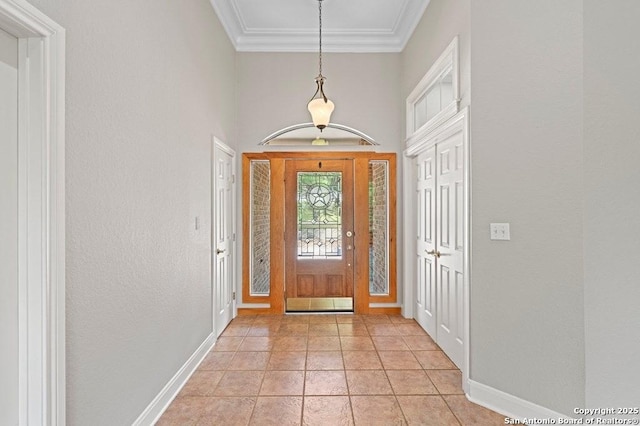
(433, 252)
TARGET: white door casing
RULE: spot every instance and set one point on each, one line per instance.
(41, 222)
(223, 235)
(9, 363)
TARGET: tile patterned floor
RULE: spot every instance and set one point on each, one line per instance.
(325, 370)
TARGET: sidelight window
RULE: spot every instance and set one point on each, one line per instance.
(378, 227)
(260, 227)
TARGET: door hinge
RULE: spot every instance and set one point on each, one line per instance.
(233, 178)
(234, 295)
(234, 236)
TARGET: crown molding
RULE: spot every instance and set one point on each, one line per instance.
(345, 41)
(331, 42)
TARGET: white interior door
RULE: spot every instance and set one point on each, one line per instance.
(450, 247)
(440, 246)
(426, 243)
(9, 365)
(223, 235)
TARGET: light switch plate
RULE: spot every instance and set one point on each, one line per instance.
(500, 231)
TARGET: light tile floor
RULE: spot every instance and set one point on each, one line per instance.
(325, 370)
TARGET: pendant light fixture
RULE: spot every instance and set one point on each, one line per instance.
(320, 107)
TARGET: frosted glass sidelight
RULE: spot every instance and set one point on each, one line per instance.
(378, 228)
(260, 226)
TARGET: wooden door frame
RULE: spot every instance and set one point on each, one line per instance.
(41, 212)
(274, 302)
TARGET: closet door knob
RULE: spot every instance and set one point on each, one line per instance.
(433, 252)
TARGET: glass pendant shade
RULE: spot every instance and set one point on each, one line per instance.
(320, 112)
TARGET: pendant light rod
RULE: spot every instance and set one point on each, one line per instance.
(320, 38)
(320, 78)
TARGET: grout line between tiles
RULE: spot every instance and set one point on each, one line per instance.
(451, 410)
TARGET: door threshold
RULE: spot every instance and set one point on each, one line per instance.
(320, 304)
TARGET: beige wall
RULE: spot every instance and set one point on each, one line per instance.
(611, 202)
(527, 322)
(274, 89)
(147, 85)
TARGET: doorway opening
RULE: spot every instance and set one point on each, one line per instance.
(319, 233)
(319, 252)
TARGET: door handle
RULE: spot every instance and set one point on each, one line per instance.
(433, 252)
(218, 251)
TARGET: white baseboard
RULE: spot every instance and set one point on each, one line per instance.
(152, 413)
(507, 404)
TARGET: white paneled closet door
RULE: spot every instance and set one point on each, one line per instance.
(224, 216)
(426, 203)
(440, 249)
(449, 222)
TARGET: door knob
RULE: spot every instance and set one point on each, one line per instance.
(218, 251)
(349, 234)
(433, 252)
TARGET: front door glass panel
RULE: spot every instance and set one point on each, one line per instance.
(319, 218)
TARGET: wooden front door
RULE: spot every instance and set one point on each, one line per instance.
(319, 228)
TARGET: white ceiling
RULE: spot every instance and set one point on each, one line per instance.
(292, 25)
